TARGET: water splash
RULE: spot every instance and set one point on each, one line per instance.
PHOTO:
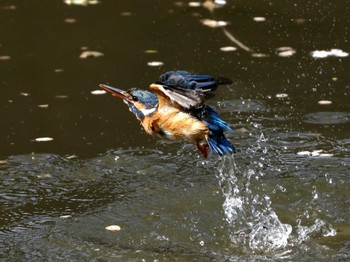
(253, 223)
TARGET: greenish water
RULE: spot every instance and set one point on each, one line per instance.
(285, 193)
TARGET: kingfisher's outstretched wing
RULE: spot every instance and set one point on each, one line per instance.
(185, 98)
(186, 89)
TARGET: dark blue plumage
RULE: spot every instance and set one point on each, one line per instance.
(216, 136)
(187, 80)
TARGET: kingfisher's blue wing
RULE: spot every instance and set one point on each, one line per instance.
(186, 80)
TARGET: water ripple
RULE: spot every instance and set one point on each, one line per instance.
(327, 118)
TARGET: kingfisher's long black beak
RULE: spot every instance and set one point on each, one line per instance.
(116, 92)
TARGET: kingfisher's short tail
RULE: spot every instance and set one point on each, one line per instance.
(216, 137)
(219, 144)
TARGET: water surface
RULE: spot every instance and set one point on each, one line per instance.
(284, 194)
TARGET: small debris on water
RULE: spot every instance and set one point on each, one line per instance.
(43, 139)
(155, 63)
(228, 48)
(66, 216)
(282, 95)
(98, 92)
(324, 102)
(151, 51)
(86, 54)
(325, 53)
(70, 20)
(286, 51)
(220, 2)
(259, 55)
(81, 2)
(113, 228)
(45, 106)
(61, 96)
(71, 157)
(259, 19)
(213, 23)
(58, 70)
(126, 13)
(8, 7)
(5, 57)
(24, 94)
(194, 4)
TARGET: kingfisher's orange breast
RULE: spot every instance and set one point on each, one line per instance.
(173, 124)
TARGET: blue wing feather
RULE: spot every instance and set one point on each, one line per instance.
(187, 80)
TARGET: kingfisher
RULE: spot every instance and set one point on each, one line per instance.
(175, 110)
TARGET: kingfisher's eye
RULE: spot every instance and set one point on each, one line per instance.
(134, 98)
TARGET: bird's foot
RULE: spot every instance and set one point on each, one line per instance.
(203, 149)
